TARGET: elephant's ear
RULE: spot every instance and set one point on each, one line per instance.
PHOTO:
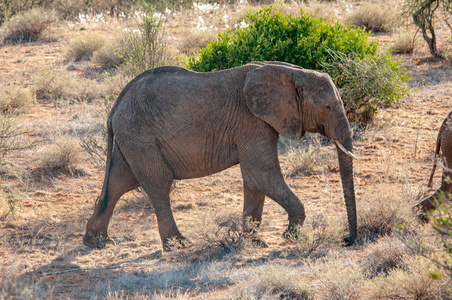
(271, 95)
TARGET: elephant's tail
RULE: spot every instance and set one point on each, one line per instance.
(435, 158)
(104, 194)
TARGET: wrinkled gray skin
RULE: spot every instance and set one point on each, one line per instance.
(443, 143)
(171, 123)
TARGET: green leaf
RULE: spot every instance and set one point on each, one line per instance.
(435, 275)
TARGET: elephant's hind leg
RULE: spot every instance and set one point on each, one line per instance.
(120, 180)
(159, 196)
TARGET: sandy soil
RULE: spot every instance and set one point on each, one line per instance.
(41, 246)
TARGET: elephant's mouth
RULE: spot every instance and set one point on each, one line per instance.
(321, 129)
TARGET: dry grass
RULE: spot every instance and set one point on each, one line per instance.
(387, 254)
(15, 98)
(43, 212)
(309, 157)
(28, 26)
(404, 42)
(196, 39)
(110, 55)
(56, 84)
(63, 155)
(412, 282)
(373, 17)
(380, 213)
(337, 279)
(83, 48)
(271, 281)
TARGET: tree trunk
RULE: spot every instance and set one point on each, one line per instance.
(423, 18)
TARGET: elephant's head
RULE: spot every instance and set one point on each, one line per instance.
(294, 100)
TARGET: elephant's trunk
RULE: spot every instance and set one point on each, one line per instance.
(346, 171)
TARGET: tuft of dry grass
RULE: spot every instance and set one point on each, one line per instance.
(59, 85)
(385, 255)
(219, 236)
(337, 278)
(63, 155)
(83, 48)
(16, 98)
(109, 55)
(13, 136)
(271, 281)
(405, 42)
(321, 10)
(310, 157)
(195, 40)
(414, 281)
(380, 213)
(316, 235)
(28, 26)
(373, 17)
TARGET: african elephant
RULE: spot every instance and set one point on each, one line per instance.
(443, 143)
(171, 123)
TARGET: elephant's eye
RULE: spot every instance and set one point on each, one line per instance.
(328, 108)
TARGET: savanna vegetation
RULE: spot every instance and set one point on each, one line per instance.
(62, 65)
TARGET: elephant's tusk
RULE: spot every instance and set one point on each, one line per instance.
(339, 144)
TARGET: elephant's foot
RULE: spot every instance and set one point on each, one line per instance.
(421, 212)
(259, 243)
(255, 240)
(176, 242)
(348, 241)
(293, 233)
(96, 239)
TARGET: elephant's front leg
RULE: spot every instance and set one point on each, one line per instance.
(261, 172)
(252, 214)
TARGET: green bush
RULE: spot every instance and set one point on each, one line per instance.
(366, 82)
(145, 49)
(308, 42)
(270, 35)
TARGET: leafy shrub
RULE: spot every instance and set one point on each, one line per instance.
(310, 43)
(270, 35)
(83, 48)
(366, 82)
(442, 223)
(372, 17)
(27, 26)
(15, 98)
(145, 49)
